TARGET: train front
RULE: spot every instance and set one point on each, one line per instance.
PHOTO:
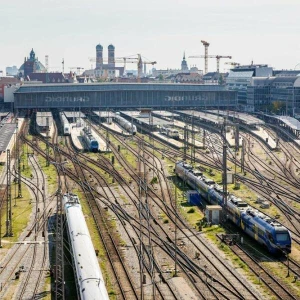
(281, 240)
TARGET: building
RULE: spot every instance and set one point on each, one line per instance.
(188, 77)
(240, 78)
(12, 71)
(47, 77)
(169, 75)
(31, 65)
(123, 95)
(7, 82)
(105, 71)
(276, 94)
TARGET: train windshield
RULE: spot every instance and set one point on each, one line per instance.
(94, 143)
(282, 237)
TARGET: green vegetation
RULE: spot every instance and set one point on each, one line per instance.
(21, 210)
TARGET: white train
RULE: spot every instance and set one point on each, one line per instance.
(128, 126)
(170, 132)
(65, 124)
(88, 273)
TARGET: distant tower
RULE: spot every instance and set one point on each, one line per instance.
(111, 55)
(29, 64)
(184, 66)
(99, 56)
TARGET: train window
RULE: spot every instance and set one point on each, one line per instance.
(282, 237)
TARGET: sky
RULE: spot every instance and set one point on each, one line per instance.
(265, 31)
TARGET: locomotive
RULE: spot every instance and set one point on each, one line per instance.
(89, 140)
(170, 132)
(259, 226)
(89, 277)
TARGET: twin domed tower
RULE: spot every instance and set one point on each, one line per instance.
(99, 56)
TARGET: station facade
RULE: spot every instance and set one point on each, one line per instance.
(123, 95)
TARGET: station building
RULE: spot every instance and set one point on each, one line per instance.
(123, 95)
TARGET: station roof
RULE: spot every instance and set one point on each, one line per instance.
(44, 114)
(104, 114)
(243, 117)
(289, 121)
(41, 118)
(74, 114)
(204, 116)
(6, 132)
(144, 119)
(165, 113)
(91, 87)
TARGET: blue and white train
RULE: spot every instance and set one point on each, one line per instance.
(259, 226)
(128, 126)
(91, 143)
(65, 124)
(89, 277)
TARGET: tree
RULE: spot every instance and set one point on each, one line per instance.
(277, 106)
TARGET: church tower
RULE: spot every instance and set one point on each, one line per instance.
(184, 66)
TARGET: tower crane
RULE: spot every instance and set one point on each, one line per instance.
(218, 57)
(206, 45)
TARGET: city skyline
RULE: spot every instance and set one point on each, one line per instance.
(264, 32)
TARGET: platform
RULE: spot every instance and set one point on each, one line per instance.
(181, 125)
(102, 143)
(265, 136)
(177, 144)
(78, 141)
(204, 116)
(165, 114)
(8, 138)
(76, 138)
(230, 138)
(116, 128)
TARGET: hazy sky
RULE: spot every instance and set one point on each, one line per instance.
(265, 31)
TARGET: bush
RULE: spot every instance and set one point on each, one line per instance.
(154, 180)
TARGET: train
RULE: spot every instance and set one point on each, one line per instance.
(89, 278)
(128, 126)
(257, 225)
(65, 124)
(91, 143)
(170, 132)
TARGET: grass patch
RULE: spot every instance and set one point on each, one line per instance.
(20, 214)
(211, 234)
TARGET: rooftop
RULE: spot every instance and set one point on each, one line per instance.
(71, 87)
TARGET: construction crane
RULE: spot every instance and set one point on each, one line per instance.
(76, 68)
(218, 57)
(206, 45)
(130, 59)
